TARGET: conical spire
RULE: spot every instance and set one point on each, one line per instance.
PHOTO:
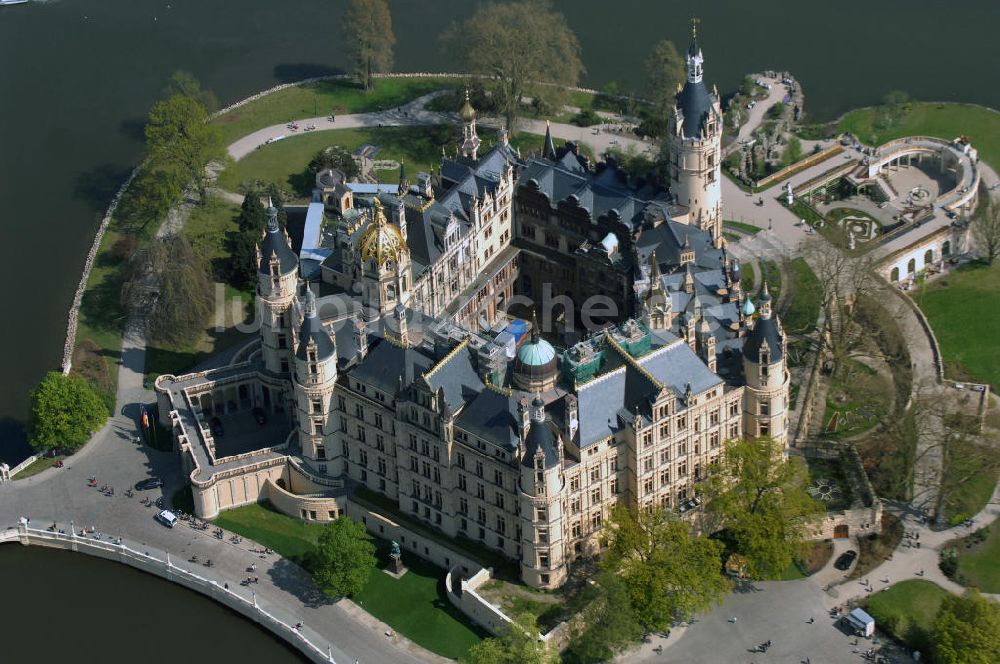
(309, 303)
(548, 147)
(404, 184)
(654, 269)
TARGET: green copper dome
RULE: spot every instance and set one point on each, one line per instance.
(536, 353)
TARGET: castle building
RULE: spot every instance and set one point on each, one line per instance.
(443, 235)
(520, 438)
(695, 147)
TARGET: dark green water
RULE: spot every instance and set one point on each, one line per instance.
(67, 607)
(78, 76)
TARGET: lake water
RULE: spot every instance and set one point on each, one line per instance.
(68, 607)
(78, 76)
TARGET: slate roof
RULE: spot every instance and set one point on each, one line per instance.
(540, 437)
(386, 363)
(273, 244)
(765, 329)
(492, 416)
(695, 103)
(668, 239)
(456, 374)
(312, 330)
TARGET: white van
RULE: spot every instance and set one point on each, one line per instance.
(167, 518)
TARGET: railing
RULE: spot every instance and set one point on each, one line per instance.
(150, 559)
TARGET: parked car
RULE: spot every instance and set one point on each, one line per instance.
(148, 483)
(167, 518)
(845, 560)
(259, 416)
(215, 424)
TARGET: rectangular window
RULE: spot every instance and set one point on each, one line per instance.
(574, 483)
(461, 482)
(595, 496)
(764, 408)
(317, 405)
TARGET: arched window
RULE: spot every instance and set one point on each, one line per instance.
(894, 275)
(946, 248)
(911, 267)
(928, 257)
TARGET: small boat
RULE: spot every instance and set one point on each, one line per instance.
(12, 2)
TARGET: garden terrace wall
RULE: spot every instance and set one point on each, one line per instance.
(411, 542)
(801, 165)
(463, 595)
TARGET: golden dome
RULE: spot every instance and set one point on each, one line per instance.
(381, 240)
(467, 113)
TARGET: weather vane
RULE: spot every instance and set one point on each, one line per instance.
(694, 26)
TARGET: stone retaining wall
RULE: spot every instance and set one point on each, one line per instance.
(463, 596)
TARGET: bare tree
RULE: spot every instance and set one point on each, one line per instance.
(368, 39)
(526, 48)
(843, 277)
(985, 228)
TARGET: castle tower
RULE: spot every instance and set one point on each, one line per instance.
(543, 563)
(658, 306)
(314, 381)
(470, 140)
(277, 277)
(385, 261)
(765, 398)
(694, 144)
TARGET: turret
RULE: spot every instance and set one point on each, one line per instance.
(548, 146)
(542, 546)
(315, 378)
(765, 398)
(470, 140)
(277, 278)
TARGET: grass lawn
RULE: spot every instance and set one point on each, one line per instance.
(946, 121)
(320, 99)
(835, 487)
(979, 564)
(906, 611)
(285, 163)
(772, 275)
(741, 226)
(38, 465)
(805, 295)
(965, 458)
(814, 559)
(963, 326)
(855, 402)
(874, 549)
(415, 605)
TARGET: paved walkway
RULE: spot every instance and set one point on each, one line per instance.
(415, 114)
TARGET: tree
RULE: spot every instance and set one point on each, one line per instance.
(759, 502)
(516, 643)
(185, 291)
(253, 216)
(793, 151)
(179, 135)
(185, 84)
(967, 630)
(368, 39)
(335, 157)
(343, 558)
(525, 48)
(669, 573)
(604, 623)
(844, 277)
(65, 411)
(155, 189)
(986, 228)
(664, 72)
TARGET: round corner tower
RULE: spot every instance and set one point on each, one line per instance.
(315, 378)
(694, 144)
(543, 563)
(277, 280)
(765, 397)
